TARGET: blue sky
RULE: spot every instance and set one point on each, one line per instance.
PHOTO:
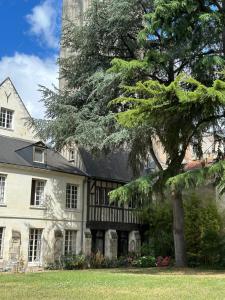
(29, 32)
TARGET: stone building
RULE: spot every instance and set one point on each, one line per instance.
(52, 205)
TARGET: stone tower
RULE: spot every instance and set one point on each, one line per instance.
(73, 11)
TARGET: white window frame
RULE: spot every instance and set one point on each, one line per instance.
(2, 189)
(35, 245)
(72, 202)
(38, 202)
(42, 155)
(5, 120)
(70, 242)
(2, 233)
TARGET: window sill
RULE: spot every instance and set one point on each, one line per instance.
(3, 205)
(8, 129)
(34, 264)
(72, 210)
(38, 207)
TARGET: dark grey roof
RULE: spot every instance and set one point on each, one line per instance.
(113, 166)
(20, 152)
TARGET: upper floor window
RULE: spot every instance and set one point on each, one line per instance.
(37, 192)
(39, 155)
(6, 118)
(2, 188)
(71, 196)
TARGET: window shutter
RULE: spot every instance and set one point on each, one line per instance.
(32, 192)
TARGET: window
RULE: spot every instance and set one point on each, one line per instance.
(37, 192)
(39, 155)
(6, 117)
(71, 154)
(70, 242)
(102, 196)
(71, 196)
(2, 188)
(1, 240)
(34, 251)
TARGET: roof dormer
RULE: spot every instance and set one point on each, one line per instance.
(39, 153)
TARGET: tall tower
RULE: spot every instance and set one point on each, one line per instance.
(73, 11)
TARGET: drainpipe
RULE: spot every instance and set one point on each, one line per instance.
(83, 213)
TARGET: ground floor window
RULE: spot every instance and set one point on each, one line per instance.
(1, 240)
(70, 242)
(34, 252)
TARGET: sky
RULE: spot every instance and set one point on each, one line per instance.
(29, 47)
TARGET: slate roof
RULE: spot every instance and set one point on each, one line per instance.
(20, 152)
(111, 167)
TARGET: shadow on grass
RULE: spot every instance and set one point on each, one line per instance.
(168, 271)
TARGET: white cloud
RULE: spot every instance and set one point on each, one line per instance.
(43, 21)
(27, 72)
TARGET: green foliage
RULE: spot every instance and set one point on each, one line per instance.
(74, 262)
(181, 35)
(204, 230)
(109, 31)
(160, 221)
(98, 261)
(144, 262)
(142, 186)
(196, 178)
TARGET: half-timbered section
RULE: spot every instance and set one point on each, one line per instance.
(114, 229)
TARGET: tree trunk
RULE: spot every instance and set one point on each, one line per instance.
(178, 230)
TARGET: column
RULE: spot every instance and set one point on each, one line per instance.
(87, 242)
(111, 244)
(134, 242)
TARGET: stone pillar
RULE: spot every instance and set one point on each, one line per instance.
(58, 245)
(111, 244)
(87, 242)
(14, 251)
(134, 242)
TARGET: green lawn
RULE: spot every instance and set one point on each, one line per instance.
(114, 284)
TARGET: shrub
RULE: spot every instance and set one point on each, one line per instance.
(74, 262)
(160, 236)
(144, 262)
(97, 260)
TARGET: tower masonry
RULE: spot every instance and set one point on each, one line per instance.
(73, 11)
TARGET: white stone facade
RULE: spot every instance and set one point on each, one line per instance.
(18, 215)
(10, 100)
(34, 235)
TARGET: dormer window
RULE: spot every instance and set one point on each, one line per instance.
(71, 155)
(39, 155)
(6, 118)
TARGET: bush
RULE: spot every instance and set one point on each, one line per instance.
(74, 262)
(98, 261)
(54, 266)
(144, 262)
(159, 217)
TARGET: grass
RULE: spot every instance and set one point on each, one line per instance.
(114, 284)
